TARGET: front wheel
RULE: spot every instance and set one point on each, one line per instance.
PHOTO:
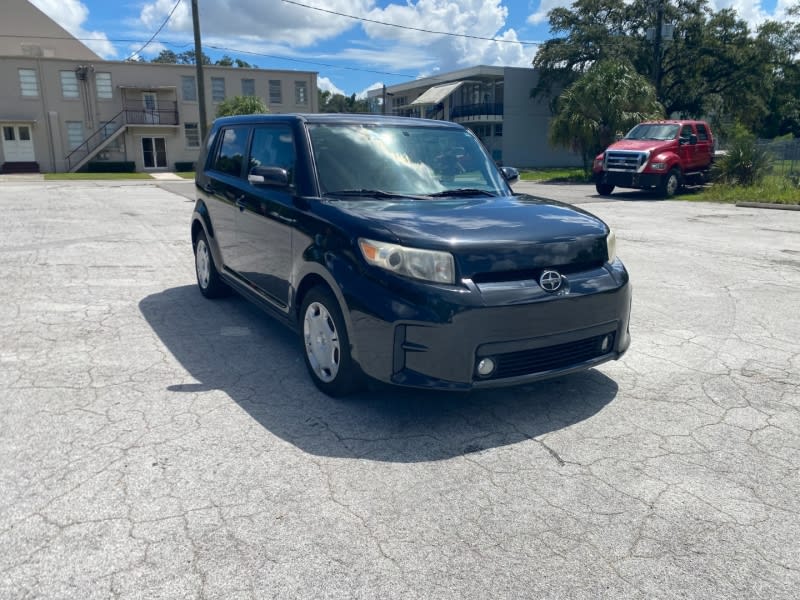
(669, 184)
(208, 279)
(604, 189)
(326, 345)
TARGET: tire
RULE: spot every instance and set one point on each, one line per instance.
(604, 189)
(670, 184)
(326, 345)
(208, 278)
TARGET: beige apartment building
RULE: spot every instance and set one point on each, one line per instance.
(63, 107)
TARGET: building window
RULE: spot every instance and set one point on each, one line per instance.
(28, 83)
(498, 130)
(192, 134)
(102, 82)
(188, 88)
(275, 96)
(300, 96)
(74, 134)
(248, 87)
(217, 89)
(69, 84)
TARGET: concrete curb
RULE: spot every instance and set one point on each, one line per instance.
(768, 205)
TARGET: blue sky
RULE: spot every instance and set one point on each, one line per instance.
(350, 55)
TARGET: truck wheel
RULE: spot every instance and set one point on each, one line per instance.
(604, 189)
(669, 184)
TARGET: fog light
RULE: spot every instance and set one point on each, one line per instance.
(606, 343)
(485, 367)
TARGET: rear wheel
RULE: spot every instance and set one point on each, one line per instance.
(604, 189)
(208, 279)
(669, 184)
(326, 344)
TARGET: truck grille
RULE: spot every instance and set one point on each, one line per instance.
(623, 160)
(561, 356)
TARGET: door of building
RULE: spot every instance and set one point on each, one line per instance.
(154, 152)
(150, 104)
(18, 143)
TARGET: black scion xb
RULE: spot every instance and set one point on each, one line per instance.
(397, 250)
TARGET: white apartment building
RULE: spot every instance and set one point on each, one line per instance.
(494, 102)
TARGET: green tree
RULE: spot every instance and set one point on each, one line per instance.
(166, 56)
(339, 103)
(188, 58)
(610, 98)
(712, 64)
(241, 105)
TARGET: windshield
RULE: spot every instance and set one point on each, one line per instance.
(406, 160)
(653, 131)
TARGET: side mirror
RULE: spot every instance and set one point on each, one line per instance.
(268, 176)
(510, 174)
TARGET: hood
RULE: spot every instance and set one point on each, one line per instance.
(490, 235)
(640, 145)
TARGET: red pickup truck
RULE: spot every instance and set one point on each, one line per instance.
(660, 155)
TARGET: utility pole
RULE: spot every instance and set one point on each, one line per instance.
(657, 47)
(198, 63)
(383, 102)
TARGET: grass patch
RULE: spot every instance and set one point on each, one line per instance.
(93, 176)
(555, 175)
(185, 174)
(773, 190)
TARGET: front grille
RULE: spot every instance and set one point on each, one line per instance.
(539, 360)
(624, 161)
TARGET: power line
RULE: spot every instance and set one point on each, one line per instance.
(461, 35)
(147, 43)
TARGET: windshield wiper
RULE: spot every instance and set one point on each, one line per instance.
(462, 192)
(365, 193)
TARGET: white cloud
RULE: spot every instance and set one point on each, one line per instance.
(326, 85)
(752, 11)
(271, 20)
(363, 93)
(478, 18)
(71, 15)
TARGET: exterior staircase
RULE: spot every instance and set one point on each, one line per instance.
(114, 128)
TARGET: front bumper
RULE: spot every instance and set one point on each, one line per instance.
(437, 341)
(627, 179)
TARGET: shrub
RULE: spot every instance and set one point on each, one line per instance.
(744, 163)
(110, 166)
(182, 167)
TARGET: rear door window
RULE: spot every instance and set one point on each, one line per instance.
(231, 151)
(702, 133)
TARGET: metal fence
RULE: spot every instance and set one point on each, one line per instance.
(784, 155)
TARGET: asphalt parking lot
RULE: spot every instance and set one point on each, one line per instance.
(154, 444)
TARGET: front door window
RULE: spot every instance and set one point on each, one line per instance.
(154, 152)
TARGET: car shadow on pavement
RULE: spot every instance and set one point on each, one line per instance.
(232, 346)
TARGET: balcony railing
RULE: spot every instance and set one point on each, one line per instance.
(165, 114)
(485, 109)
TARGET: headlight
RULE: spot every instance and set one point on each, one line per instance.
(611, 245)
(429, 265)
(658, 166)
(598, 162)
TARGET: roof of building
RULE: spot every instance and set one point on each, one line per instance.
(27, 31)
